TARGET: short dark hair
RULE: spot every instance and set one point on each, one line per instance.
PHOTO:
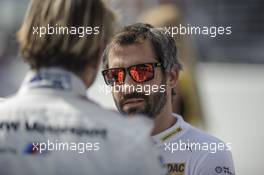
(70, 51)
(163, 45)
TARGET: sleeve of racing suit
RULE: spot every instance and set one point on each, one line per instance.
(147, 159)
(219, 163)
(143, 155)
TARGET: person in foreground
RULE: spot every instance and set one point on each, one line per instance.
(49, 126)
(141, 65)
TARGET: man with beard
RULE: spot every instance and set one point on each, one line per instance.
(140, 55)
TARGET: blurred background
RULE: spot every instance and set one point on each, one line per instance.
(221, 89)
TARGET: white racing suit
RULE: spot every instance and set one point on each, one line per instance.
(50, 127)
(189, 151)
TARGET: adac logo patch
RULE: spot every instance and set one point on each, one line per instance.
(176, 168)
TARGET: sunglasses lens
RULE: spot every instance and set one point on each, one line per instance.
(114, 76)
(142, 72)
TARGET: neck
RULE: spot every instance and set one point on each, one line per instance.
(88, 76)
(163, 121)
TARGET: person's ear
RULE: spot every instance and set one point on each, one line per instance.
(173, 76)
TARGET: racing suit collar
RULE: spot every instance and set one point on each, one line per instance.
(176, 131)
(55, 79)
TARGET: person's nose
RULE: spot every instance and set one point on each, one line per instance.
(129, 84)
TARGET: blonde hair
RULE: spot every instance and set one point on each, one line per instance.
(71, 52)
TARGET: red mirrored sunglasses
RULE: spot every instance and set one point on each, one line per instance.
(139, 73)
